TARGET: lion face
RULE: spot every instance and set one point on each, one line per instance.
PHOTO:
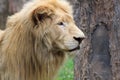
(56, 27)
(69, 36)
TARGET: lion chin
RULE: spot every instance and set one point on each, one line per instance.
(37, 40)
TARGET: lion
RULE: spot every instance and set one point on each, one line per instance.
(37, 40)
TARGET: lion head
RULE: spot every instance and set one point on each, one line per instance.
(51, 23)
(54, 24)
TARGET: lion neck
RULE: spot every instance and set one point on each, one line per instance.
(25, 61)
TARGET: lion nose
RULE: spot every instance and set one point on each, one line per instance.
(79, 39)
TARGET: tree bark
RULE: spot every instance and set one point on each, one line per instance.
(99, 57)
(3, 12)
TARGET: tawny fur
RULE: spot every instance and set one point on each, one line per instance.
(32, 47)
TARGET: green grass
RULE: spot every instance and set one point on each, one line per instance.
(66, 72)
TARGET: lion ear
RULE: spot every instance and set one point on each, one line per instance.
(41, 13)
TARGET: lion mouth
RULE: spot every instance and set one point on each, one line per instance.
(78, 47)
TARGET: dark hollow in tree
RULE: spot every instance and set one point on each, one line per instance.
(99, 57)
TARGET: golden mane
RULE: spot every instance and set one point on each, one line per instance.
(20, 48)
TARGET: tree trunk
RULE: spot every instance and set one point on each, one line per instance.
(99, 57)
(8, 7)
(3, 13)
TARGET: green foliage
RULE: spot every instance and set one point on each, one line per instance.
(66, 72)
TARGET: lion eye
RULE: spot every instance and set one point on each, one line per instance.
(61, 23)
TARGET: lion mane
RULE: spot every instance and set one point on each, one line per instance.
(28, 50)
